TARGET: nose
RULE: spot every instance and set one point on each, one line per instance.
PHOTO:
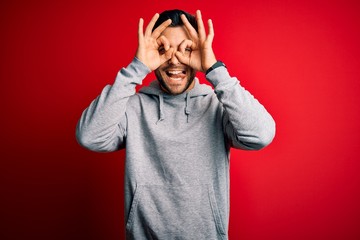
(174, 60)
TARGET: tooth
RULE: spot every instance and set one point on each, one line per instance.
(174, 72)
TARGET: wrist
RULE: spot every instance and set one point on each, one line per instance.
(214, 66)
(209, 64)
(139, 67)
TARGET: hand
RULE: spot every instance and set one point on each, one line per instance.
(202, 56)
(149, 43)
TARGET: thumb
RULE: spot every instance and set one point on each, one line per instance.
(167, 55)
(182, 58)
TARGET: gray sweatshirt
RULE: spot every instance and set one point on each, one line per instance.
(177, 149)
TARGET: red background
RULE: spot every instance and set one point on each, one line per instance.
(299, 58)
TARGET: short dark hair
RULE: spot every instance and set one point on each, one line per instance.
(174, 15)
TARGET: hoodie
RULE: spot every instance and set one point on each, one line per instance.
(177, 149)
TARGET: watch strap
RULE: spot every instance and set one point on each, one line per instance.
(215, 65)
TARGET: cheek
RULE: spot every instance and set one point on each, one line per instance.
(191, 74)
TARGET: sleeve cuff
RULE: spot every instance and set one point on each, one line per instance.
(217, 75)
(138, 68)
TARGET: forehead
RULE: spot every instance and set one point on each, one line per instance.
(175, 35)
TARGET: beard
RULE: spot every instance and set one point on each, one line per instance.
(175, 89)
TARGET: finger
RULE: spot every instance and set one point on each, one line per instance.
(168, 54)
(163, 41)
(141, 29)
(151, 25)
(182, 58)
(184, 45)
(200, 23)
(211, 34)
(156, 33)
(191, 30)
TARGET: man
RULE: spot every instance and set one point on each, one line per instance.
(177, 132)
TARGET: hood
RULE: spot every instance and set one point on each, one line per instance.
(198, 90)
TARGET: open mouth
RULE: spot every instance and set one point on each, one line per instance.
(176, 74)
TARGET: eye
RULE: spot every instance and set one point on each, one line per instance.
(161, 50)
(188, 51)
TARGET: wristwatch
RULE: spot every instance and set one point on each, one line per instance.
(215, 65)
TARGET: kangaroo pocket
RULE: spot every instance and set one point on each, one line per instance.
(168, 212)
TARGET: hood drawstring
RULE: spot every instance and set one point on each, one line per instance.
(187, 107)
(161, 110)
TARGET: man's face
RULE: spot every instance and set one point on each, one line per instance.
(175, 77)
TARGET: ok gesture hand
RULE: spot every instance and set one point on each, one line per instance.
(149, 43)
(202, 56)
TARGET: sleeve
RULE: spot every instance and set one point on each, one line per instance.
(247, 124)
(102, 126)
